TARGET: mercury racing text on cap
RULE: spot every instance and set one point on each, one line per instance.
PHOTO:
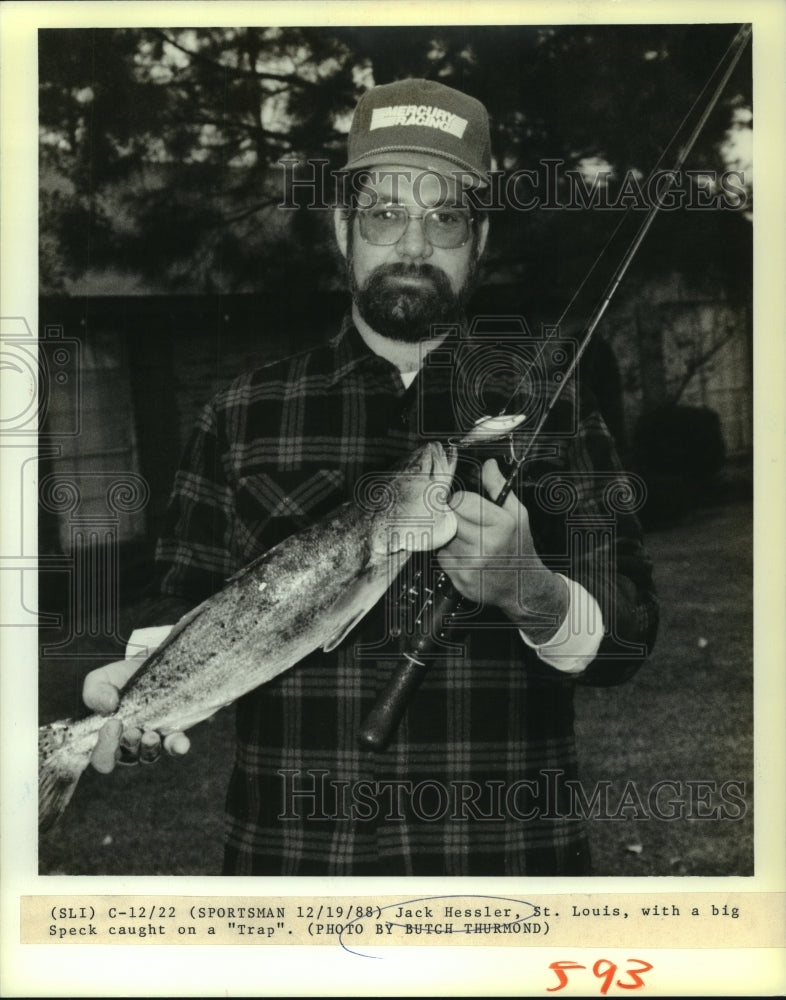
(418, 114)
(421, 123)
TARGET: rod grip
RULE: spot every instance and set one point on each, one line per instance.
(434, 622)
(383, 720)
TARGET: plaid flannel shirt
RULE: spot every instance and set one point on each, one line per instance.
(477, 780)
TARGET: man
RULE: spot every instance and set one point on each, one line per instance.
(475, 779)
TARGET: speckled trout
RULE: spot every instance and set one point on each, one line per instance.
(307, 592)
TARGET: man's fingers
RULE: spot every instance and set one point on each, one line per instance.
(459, 560)
(492, 478)
(177, 744)
(493, 481)
(467, 506)
(101, 687)
(131, 746)
(474, 509)
(128, 751)
(99, 694)
(463, 544)
(104, 753)
(480, 525)
(149, 747)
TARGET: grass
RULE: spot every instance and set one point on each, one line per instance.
(686, 716)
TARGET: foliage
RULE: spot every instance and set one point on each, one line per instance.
(159, 148)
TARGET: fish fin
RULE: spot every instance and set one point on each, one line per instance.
(253, 565)
(58, 773)
(244, 571)
(355, 603)
(343, 631)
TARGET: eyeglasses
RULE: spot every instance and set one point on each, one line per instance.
(443, 227)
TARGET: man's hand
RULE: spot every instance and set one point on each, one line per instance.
(101, 693)
(524, 590)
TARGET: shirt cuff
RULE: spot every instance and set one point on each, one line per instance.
(143, 641)
(576, 643)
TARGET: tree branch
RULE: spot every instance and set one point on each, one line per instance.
(694, 366)
(243, 74)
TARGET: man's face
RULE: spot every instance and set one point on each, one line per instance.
(402, 289)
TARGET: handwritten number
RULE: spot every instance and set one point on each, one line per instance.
(635, 975)
(605, 970)
(559, 968)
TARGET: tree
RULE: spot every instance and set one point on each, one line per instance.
(159, 149)
(163, 145)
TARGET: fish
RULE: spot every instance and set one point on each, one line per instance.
(307, 592)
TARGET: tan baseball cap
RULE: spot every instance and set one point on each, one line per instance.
(422, 123)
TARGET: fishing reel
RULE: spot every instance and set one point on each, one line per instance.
(432, 614)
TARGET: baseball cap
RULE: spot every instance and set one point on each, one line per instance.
(421, 123)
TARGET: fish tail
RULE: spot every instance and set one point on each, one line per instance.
(60, 766)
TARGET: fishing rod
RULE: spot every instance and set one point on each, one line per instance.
(442, 604)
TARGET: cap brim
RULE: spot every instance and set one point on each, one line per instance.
(468, 176)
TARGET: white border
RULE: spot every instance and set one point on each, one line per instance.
(31, 971)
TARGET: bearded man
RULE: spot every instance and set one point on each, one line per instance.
(477, 780)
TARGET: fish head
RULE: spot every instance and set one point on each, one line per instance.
(409, 507)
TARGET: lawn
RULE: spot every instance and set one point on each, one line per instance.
(686, 717)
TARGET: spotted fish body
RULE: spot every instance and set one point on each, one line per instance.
(305, 593)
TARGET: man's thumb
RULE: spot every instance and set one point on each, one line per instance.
(493, 481)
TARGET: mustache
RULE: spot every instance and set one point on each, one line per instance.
(401, 269)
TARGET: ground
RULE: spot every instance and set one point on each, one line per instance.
(686, 717)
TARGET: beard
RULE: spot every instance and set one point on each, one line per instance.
(403, 302)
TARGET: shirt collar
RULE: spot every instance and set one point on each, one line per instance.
(350, 351)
